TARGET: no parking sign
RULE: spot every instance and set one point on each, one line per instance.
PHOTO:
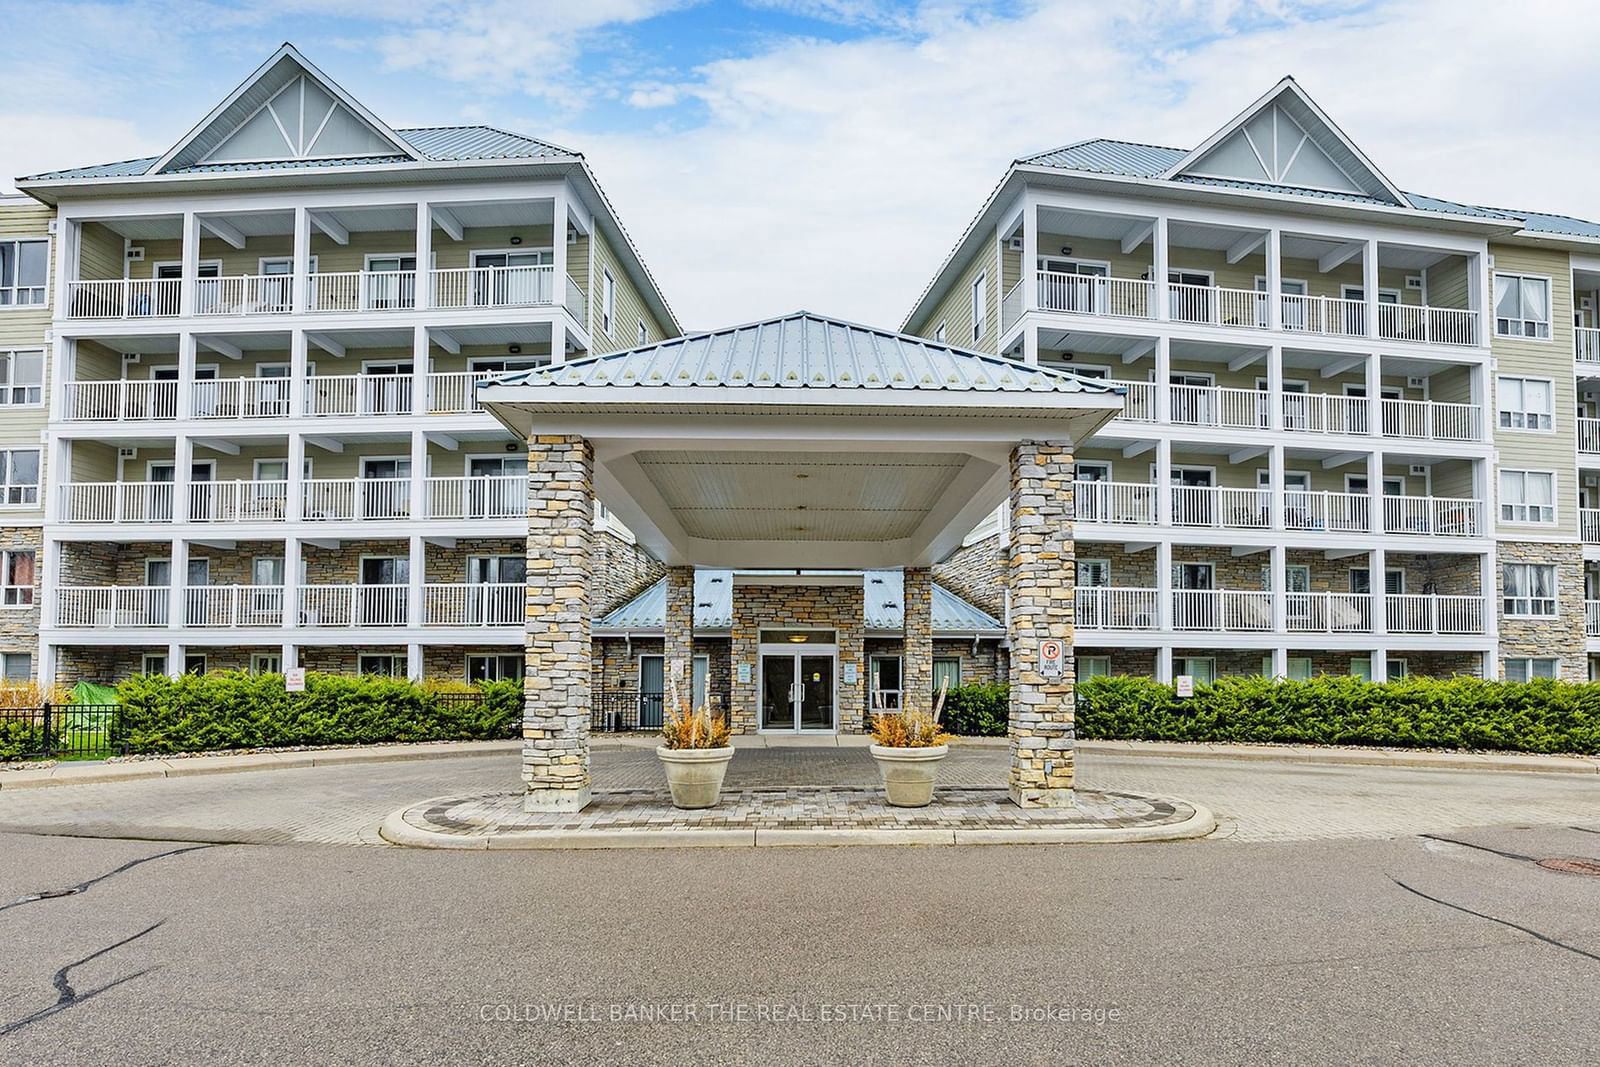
(1052, 657)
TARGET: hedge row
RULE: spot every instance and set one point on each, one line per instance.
(1539, 716)
(233, 709)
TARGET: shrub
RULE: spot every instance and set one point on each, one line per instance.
(978, 710)
(233, 709)
(688, 728)
(1469, 713)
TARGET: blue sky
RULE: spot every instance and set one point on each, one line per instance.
(774, 154)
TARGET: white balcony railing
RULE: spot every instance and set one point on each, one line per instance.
(354, 605)
(1588, 434)
(1427, 613)
(359, 394)
(245, 294)
(351, 499)
(1083, 294)
(123, 298)
(116, 502)
(1437, 516)
(1432, 420)
(1591, 618)
(1236, 509)
(455, 392)
(493, 496)
(1115, 503)
(104, 607)
(1212, 305)
(1586, 347)
(466, 287)
(239, 501)
(362, 290)
(241, 398)
(1316, 509)
(1589, 525)
(1210, 405)
(1324, 413)
(1242, 610)
(1139, 404)
(1105, 607)
(1327, 316)
(483, 604)
(121, 401)
(233, 605)
(1327, 612)
(1428, 325)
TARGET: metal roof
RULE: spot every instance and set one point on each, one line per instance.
(434, 143)
(806, 351)
(882, 600)
(1109, 157)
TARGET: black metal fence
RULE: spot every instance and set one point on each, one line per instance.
(617, 710)
(54, 731)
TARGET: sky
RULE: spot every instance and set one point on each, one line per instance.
(769, 155)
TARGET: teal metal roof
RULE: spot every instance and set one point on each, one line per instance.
(882, 597)
(434, 143)
(806, 351)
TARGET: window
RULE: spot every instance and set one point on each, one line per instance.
(1361, 667)
(1094, 572)
(941, 332)
(16, 666)
(946, 672)
(644, 333)
(1203, 669)
(1530, 589)
(608, 301)
(19, 476)
(980, 304)
(493, 668)
(1521, 306)
(22, 377)
(22, 272)
(1394, 580)
(1526, 669)
(18, 574)
(1299, 668)
(384, 666)
(885, 694)
(1527, 496)
(266, 663)
(194, 663)
(1092, 667)
(1527, 404)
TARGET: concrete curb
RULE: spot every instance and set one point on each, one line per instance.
(1475, 761)
(395, 830)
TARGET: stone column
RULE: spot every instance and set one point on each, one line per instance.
(916, 665)
(679, 659)
(1040, 580)
(557, 682)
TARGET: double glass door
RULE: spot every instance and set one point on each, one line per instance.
(797, 691)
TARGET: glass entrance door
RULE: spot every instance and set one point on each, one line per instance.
(797, 692)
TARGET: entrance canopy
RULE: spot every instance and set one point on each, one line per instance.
(801, 441)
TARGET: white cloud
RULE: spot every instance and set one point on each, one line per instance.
(35, 143)
(654, 94)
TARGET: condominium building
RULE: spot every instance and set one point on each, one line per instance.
(261, 440)
(1359, 432)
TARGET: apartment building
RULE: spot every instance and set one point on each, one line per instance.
(261, 442)
(1360, 429)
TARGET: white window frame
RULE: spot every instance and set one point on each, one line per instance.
(608, 301)
(1079, 662)
(1542, 331)
(13, 289)
(872, 682)
(1398, 668)
(5, 666)
(1527, 663)
(7, 485)
(262, 663)
(9, 357)
(943, 659)
(1078, 566)
(1522, 419)
(1184, 661)
(11, 596)
(149, 658)
(393, 659)
(1522, 513)
(494, 657)
(1524, 606)
(979, 294)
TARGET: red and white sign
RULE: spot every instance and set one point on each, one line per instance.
(294, 679)
(1052, 657)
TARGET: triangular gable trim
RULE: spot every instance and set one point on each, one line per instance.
(315, 77)
(1288, 87)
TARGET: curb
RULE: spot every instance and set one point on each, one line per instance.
(1473, 761)
(396, 831)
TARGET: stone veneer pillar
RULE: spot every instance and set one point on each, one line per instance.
(678, 662)
(557, 683)
(916, 665)
(1040, 580)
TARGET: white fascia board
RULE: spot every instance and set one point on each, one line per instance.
(284, 194)
(780, 400)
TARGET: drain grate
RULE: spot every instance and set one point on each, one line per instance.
(1571, 866)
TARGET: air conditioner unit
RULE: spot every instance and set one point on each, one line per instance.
(1416, 381)
(127, 453)
(1419, 470)
(1413, 281)
(136, 254)
(1014, 244)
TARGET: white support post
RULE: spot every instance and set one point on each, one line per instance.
(1164, 664)
(1380, 664)
(1480, 292)
(293, 556)
(1163, 382)
(190, 264)
(424, 283)
(302, 265)
(1164, 594)
(46, 673)
(57, 473)
(175, 655)
(1489, 589)
(1375, 503)
(419, 474)
(421, 367)
(289, 655)
(1028, 271)
(178, 591)
(1158, 246)
(182, 476)
(295, 491)
(62, 373)
(1163, 486)
(415, 576)
(559, 271)
(186, 362)
(1378, 585)
(1375, 395)
(1277, 488)
(414, 661)
(1274, 279)
(1280, 662)
(299, 381)
(1030, 345)
(1369, 285)
(69, 239)
(1275, 397)
(1278, 575)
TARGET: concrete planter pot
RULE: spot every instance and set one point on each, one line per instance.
(909, 773)
(695, 774)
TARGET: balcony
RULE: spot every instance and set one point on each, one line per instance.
(1221, 507)
(1226, 408)
(1589, 525)
(1591, 618)
(480, 497)
(321, 606)
(1114, 608)
(1589, 436)
(1586, 349)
